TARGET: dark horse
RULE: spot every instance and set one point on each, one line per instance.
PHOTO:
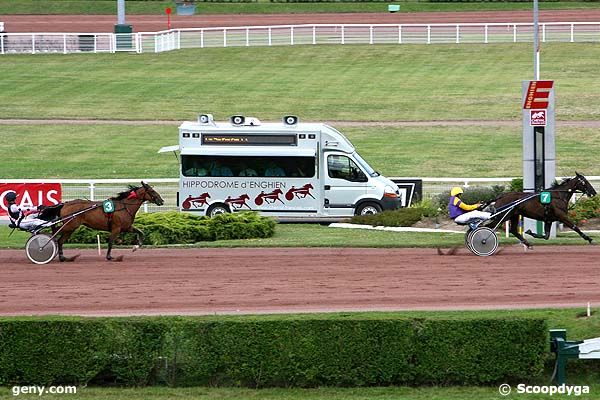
(556, 210)
(91, 214)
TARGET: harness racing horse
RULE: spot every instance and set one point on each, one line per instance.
(126, 205)
(556, 210)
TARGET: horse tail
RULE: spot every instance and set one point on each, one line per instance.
(50, 213)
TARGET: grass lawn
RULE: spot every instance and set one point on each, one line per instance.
(317, 83)
(379, 393)
(265, 7)
(123, 151)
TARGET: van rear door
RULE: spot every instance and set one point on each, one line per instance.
(344, 184)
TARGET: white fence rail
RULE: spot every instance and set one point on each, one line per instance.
(100, 189)
(291, 35)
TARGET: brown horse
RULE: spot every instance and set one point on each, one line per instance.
(556, 210)
(91, 214)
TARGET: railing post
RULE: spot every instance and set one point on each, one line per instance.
(515, 33)
(224, 37)
(343, 35)
(92, 191)
(247, 37)
(178, 40)
(314, 41)
(486, 34)
(572, 33)
(292, 35)
(65, 43)
(399, 34)
(33, 43)
(371, 34)
(457, 33)
(428, 34)
(543, 33)
(202, 39)
(1, 44)
(270, 39)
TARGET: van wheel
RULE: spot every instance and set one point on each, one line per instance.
(217, 209)
(368, 209)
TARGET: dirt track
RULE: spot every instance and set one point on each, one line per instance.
(206, 281)
(151, 23)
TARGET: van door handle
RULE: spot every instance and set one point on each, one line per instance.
(327, 187)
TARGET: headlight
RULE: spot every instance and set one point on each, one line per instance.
(389, 191)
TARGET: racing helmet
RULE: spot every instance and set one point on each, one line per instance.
(456, 191)
(11, 196)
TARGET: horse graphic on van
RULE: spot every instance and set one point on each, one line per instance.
(196, 202)
(238, 202)
(269, 198)
(299, 193)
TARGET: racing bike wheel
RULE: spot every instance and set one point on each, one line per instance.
(483, 241)
(41, 248)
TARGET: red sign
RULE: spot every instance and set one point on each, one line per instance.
(30, 194)
(168, 10)
(537, 94)
(537, 117)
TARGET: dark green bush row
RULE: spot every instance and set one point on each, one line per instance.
(181, 228)
(327, 1)
(267, 351)
(400, 217)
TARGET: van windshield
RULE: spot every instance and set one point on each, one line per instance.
(365, 166)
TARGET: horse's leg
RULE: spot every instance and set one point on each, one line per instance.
(537, 235)
(65, 235)
(514, 229)
(139, 237)
(114, 234)
(547, 229)
(562, 217)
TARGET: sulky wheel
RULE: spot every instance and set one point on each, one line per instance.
(483, 241)
(41, 249)
(468, 240)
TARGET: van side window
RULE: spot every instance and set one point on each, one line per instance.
(342, 167)
(248, 166)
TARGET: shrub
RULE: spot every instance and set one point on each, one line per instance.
(585, 208)
(400, 217)
(244, 225)
(180, 228)
(516, 185)
(289, 351)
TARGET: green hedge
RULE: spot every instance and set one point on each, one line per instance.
(287, 351)
(400, 217)
(181, 228)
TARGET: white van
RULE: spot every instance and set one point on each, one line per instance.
(288, 170)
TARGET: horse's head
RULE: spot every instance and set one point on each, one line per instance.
(151, 195)
(583, 185)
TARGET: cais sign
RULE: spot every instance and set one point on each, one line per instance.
(30, 194)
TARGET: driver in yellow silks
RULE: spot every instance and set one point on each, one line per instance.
(461, 212)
